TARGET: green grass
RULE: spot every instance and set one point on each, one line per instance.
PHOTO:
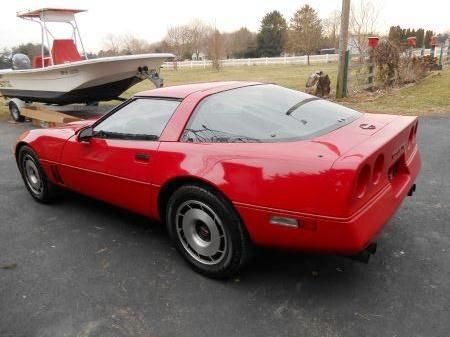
(429, 96)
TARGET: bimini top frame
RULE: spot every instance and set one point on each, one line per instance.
(43, 16)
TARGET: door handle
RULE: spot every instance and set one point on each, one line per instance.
(142, 156)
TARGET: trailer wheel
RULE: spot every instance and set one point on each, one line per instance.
(15, 112)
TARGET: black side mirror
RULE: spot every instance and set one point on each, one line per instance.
(86, 134)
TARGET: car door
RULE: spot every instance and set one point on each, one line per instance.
(116, 164)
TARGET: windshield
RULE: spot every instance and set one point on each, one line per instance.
(264, 113)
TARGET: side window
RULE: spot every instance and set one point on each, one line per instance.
(140, 119)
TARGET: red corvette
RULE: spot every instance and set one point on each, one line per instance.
(229, 165)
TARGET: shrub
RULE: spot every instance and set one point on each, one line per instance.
(387, 59)
(412, 69)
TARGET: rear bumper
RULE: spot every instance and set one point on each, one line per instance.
(330, 234)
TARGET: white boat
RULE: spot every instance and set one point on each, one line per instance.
(62, 75)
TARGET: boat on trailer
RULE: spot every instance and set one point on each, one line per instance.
(64, 75)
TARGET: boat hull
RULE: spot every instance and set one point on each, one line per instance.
(78, 82)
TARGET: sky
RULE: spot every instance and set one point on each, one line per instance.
(149, 20)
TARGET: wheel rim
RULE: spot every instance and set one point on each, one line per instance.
(15, 112)
(32, 175)
(201, 232)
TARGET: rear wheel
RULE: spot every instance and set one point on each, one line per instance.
(15, 112)
(207, 231)
(36, 182)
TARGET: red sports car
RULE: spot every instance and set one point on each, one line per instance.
(230, 165)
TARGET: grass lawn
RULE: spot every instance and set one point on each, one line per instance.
(291, 76)
(427, 97)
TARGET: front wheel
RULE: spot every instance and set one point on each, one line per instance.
(36, 182)
(207, 231)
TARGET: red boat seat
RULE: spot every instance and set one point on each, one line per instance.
(64, 51)
(37, 62)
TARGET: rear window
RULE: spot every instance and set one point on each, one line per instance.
(264, 113)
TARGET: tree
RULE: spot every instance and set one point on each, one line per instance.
(215, 49)
(111, 45)
(271, 38)
(363, 21)
(126, 44)
(442, 38)
(331, 26)
(420, 34)
(5, 58)
(241, 44)
(395, 34)
(398, 36)
(305, 31)
(178, 39)
(188, 40)
(131, 45)
(199, 34)
(29, 49)
(427, 38)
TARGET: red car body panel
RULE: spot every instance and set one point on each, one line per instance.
(314, 181)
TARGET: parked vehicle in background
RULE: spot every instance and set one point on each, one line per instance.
(62, 74)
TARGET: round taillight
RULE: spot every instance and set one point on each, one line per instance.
(378, 169)
(363, 181)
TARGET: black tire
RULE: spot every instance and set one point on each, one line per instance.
(15, 112)
(208, 206)
(36, 182)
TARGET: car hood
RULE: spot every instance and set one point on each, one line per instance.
(48, 143)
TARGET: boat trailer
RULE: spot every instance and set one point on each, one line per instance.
(152, 75)
(53, 116)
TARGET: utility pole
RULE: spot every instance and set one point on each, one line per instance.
(343, 40)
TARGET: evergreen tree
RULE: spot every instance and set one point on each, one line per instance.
(305, 31)
(427, 38)
(271, 38)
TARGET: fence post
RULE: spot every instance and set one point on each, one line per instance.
(371, 60)
(285, 60)
(344, 83)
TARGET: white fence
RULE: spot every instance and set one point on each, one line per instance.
(313, 59)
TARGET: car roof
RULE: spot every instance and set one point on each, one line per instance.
(184, 90)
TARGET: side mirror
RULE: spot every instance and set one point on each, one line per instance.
(86, 134)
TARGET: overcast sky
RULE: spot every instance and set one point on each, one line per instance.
(149, 19)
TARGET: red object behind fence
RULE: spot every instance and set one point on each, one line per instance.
(373, 41)
(411, 41)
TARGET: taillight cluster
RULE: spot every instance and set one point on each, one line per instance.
(412, 135)
(363, 181)
(378, 169)
(368, 177)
